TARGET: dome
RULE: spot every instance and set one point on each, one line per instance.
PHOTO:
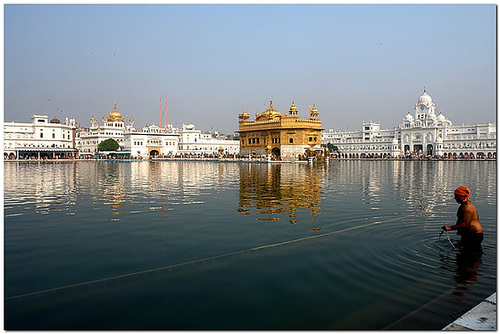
(313, 113)
(268, 114)
(115, 115)
(425, 98)
(55, 121)
(409, 117)
(441, 118)
(244, 115)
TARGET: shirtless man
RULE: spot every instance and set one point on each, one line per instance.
(468, 225)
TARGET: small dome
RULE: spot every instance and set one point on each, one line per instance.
(394, 140)
(425, 98)
(409, 117)
(55, 121)
(244, 115)
(441, 118)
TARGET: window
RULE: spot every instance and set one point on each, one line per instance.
(291, 140)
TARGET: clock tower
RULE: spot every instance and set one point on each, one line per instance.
(424, 107)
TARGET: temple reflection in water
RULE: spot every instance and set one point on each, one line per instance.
(279, 191)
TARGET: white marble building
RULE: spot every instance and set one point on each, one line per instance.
(151, 140)
(194, 142)
(423, 133)
(113, 127)
(39, 139)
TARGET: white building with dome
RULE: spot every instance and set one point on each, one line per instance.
(423, 133)
(150, 140)
(113, 127)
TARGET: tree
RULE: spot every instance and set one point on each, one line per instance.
(108, 145)
(331, 147)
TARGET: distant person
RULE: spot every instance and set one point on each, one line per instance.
(468, 226)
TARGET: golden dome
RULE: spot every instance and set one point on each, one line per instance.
(271, 113)
(115, 115)
(244, 115)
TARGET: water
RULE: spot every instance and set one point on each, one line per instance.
(207, 245)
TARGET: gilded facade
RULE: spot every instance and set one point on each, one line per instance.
(285, 137)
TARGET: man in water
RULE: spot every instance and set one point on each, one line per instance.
(468, 225)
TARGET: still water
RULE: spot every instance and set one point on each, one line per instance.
(236, 245)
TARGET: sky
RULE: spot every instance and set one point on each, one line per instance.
(354, 62)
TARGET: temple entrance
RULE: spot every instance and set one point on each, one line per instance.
(407, 149)
(154, 153)
(418, 149)
(430, 149)
(276, 152)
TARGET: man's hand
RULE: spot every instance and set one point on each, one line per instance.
(446, 228)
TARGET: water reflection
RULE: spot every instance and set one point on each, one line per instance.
(279, 191)
(42, 187)
(396, 246)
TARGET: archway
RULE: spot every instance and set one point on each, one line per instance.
(276, 152)
(430, 149)
(154, 153)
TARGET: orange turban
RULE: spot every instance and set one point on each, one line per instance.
(463, 191)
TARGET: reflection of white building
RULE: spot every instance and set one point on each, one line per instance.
(39, 139)
(422, 133)
(192, 141)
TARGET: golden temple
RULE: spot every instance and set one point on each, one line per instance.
(285, 137)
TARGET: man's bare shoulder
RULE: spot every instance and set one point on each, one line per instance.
(470, 207)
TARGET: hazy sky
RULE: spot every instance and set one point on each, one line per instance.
(355, 62)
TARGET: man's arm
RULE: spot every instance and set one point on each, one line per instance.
(462, 222)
